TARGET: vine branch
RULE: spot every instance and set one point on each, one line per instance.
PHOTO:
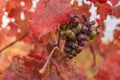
(12, 43)
(41, 71)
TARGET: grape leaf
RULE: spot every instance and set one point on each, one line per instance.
(24, 68)
(15, 10)
(116, 11)
(101, 23)
(2, 5)
(80, 10)
(109, 70)
(114, 2)
(13, 29)
(104, 10)
(12, 4)
(48, 15)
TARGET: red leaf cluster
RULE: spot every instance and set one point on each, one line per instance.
(80, 10)
(24, 68)
(15, 9)
(104, 10)
(48, 15)
(109, 69)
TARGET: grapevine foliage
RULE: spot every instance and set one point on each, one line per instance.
(48, 15)
(54, 34)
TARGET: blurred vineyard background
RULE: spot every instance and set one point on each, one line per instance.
(14, 23)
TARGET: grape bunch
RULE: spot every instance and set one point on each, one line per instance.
(76, 35)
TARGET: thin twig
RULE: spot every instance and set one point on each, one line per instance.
(58, 43)
(41, 71)
(12, 43)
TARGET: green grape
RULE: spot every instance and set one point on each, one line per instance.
(78, 28)
(70, 34)
(92, 35)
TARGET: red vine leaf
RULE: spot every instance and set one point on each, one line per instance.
(104, 10)
(48, 14)
(116, 11)
(24, 68)
(12, 4)
(2, 5)
(114, 2)
(80, 10)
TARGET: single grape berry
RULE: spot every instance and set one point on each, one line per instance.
(79, 49)
(70, 34)
(76, 21)
(67, 49)
(78, 28)
(84, 17)
(82, 43)
(88, 24)
(81, 37)
(69, 44)
(84, 29)
(89, 31)
(92, 35)
(74, 30)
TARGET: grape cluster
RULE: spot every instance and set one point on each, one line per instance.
(76, 35)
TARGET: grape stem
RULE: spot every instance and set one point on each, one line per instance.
(58, 43)
(41, 71)
(12, 43)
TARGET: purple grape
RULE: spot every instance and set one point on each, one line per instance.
(88, 24)
(79, 49)
(69, 44)
(89, 31)
(84, 17)
(67, 49)
(74, 30)
(81, 37)
(77, 35)
(82, 43)
(84, 29)
(76, 21)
